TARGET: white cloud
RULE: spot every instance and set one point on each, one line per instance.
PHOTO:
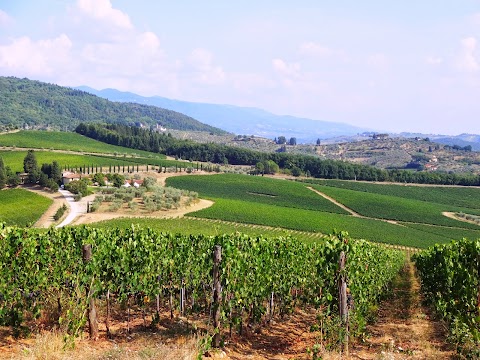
(149, 41)
(5, 19)
(467, 60)
(205, 72)
(434, 60)
(283, 68)
(311, 48)
(103, 10)
(44, 57)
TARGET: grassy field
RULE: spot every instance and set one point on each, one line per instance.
(467, 197)
(256, 189)
(396, 208)
(21, 207)
(66, 141)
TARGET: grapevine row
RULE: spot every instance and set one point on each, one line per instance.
(139, 264)
(450, 278)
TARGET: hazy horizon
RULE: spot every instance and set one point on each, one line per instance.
(397, 67)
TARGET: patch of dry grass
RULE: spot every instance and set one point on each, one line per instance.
(50, 346)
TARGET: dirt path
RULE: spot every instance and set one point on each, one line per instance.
(46, 220)
(76, 208)
(347, 209)
(404, 328)
(85, 218)
(350, 211)
(453, 216)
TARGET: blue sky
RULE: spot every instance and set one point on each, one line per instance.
(394, 66)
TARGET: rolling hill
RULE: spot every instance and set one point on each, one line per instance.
(240, 120)
(28, 103)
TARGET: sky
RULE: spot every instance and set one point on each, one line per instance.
(386, 65)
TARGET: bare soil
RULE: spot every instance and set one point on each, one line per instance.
(100, 215)
(405, 329)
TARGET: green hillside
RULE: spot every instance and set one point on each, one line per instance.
(66, 141)
(41, 105)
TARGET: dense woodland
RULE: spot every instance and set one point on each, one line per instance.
(36, 104)
(141, 139)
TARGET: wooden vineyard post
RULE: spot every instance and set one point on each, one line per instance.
(92, 313)
(182, 299)
(107, 322)
(217, 294)
(271, 305)
(342, 298)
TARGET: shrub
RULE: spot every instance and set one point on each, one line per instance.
(133, 205)
(61, 210)
(116, 204)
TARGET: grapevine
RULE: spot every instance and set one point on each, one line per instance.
(141, 264)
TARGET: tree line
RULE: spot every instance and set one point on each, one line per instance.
(296, 164)
(48, 175)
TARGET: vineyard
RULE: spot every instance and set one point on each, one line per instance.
(396, 208)
(258, 190)
(290, 205)
(66, 141)
(48, 275)
(77, 162)
(467, 197)
(28, 206)
(450, 277)
(210, 227)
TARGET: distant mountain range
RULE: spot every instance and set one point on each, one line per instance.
(240, 120)
(34, 104)
(25, 102)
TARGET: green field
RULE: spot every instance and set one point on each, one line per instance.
(14, 159)
(256, 189)
(450, 233)
(318, 222)
(357, 229)
(21, 207)
(234, 202)
(66, 141)
(208, 227)
(467, 197)
(396, 208)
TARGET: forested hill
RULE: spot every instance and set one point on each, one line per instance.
(40, 105)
